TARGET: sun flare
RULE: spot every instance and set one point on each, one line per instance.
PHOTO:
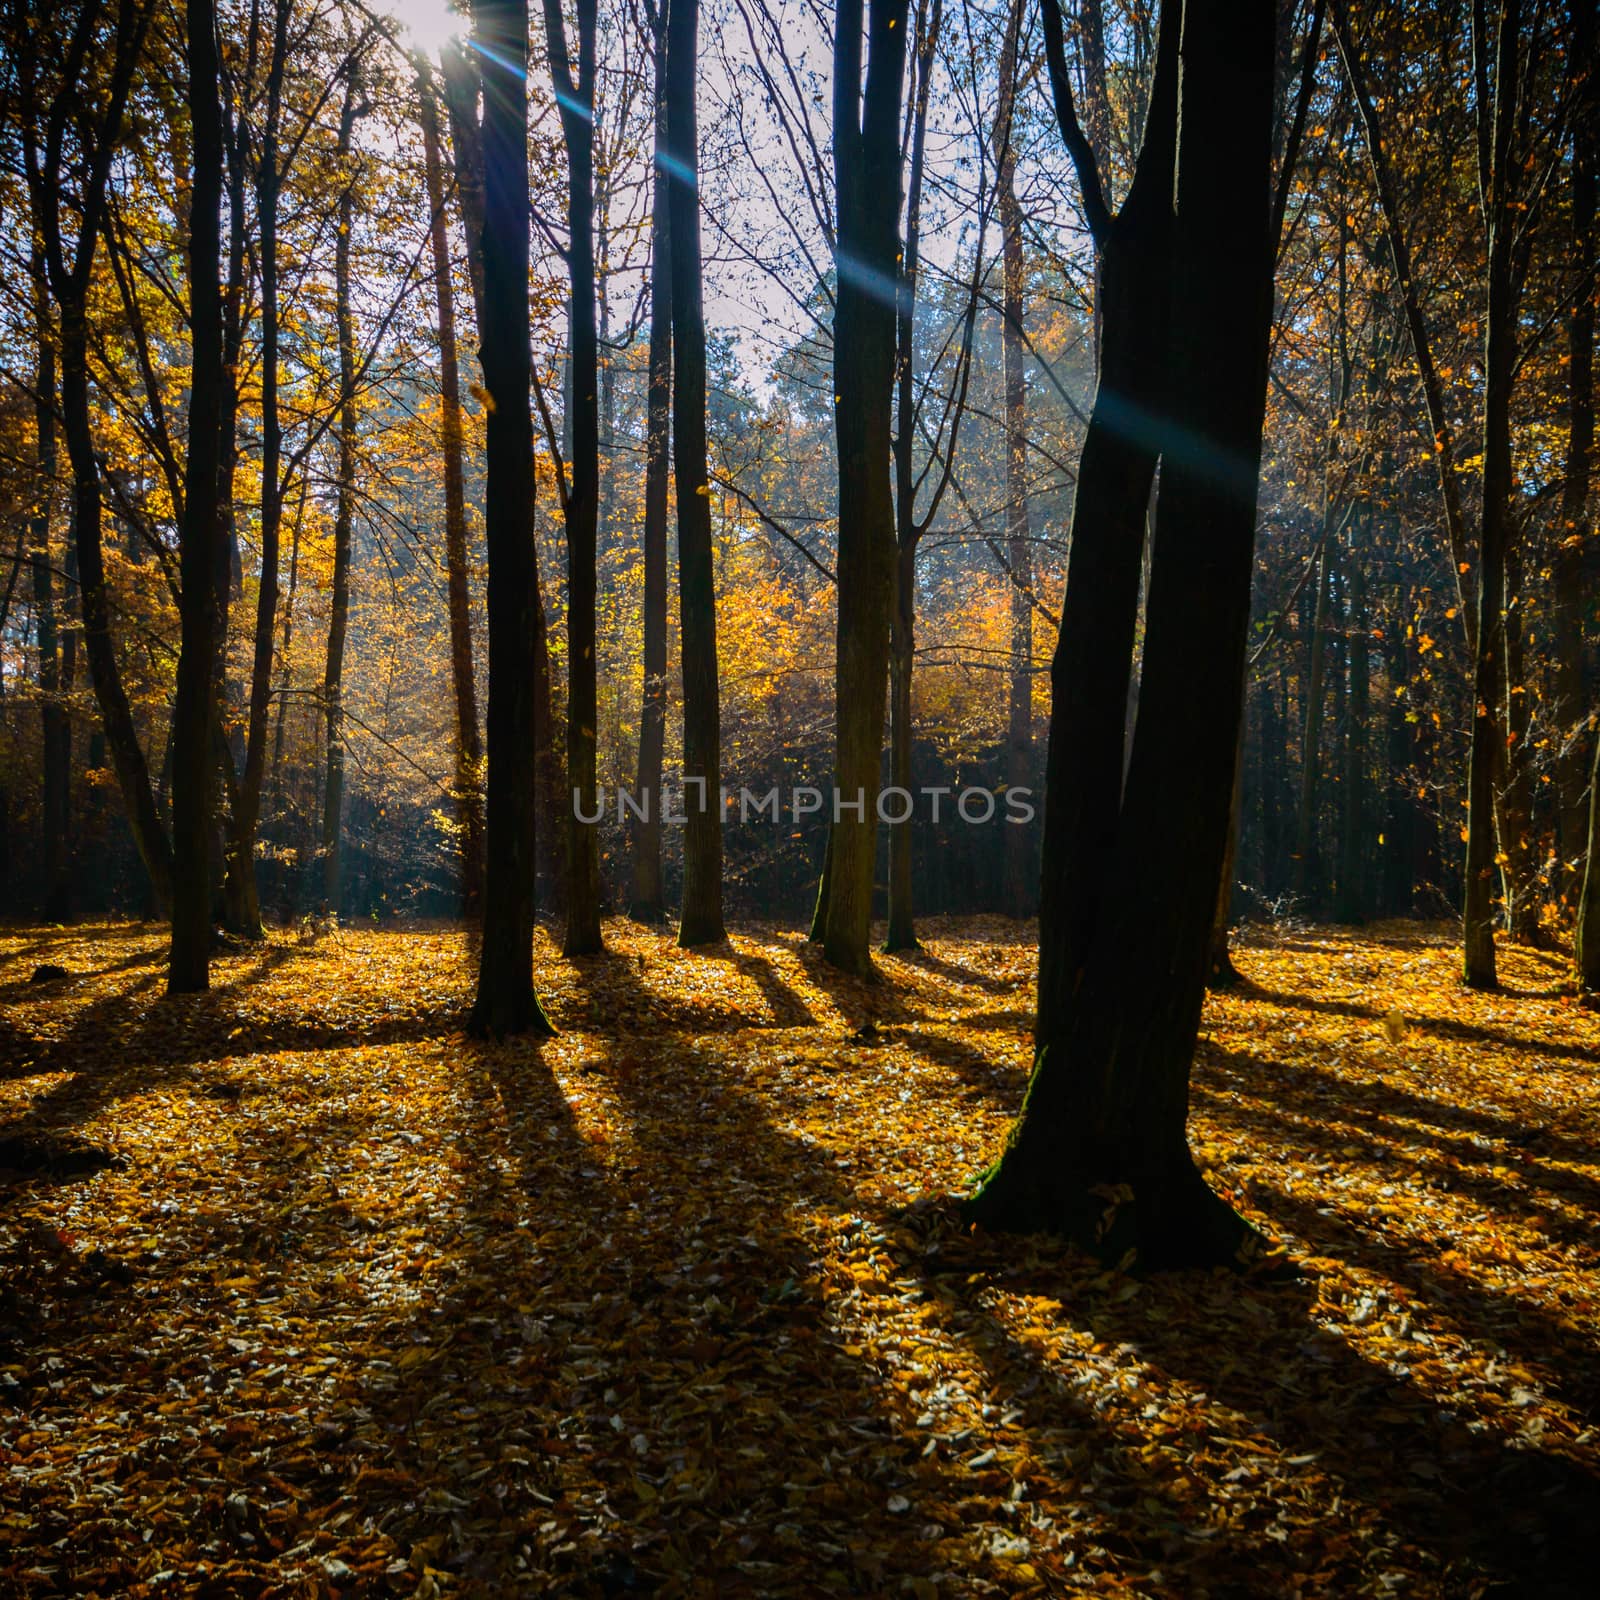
(429, 24)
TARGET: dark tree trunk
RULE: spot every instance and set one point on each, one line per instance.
(1092, 668)
(202, 530)
(575, 97)
(648, 903)
(462, 86)
(506, 1002)
(1588, 937)
(902, 932)
(1519, 871)
(1571, 709)
(1354, 843)
(1100, 1151)
(55, 730)
(1307, 857)
(343, 518)
(1021, 874)
(1399, 841)
(1221, 973)
(469, 744)
(242, 891)
(701, 921)
(1490, 682)
(866, 158)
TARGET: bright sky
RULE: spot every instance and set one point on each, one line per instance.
(429, 23)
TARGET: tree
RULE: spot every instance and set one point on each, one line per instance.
(468, 742)
(188, 968)
(701, 920)
(866, 164)
(506, 1002)
(648, 902)
(1100, 1151)
(580, 497)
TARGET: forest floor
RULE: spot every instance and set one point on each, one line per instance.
(678, 1303)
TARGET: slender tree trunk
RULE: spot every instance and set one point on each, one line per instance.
(1399, 832)
(1021, 876)
(1100, 1151)
(1307, 858)
(1571, 712)
(902, 932)
(343, 519)
(55, 730)
(242, 891)
(866, 138)
(1519, 871)
(188, 969)
(469, 744)
(648, 901)
(506, 1002)
(1355, 842)
(575, 96)
(1489, 668)
(701, 921)
(1587, 953)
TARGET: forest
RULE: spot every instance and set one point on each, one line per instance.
(799, 799)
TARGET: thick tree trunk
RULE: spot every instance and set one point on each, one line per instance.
(188, 969)
(506, 1002)
(1221, 973)
(575, 96)
(1100, 1151)
(1093, 663)
(469, 744)
(866, 138)
(701, 920)
(648, 902)
(343, 519)
(1489, 666)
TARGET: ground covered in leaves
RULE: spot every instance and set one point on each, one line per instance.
(677, 1304)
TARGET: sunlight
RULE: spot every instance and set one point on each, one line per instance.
(429, 24)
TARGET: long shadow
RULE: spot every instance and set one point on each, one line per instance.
(1273, 1080)
(954, 972)
(788, 1009)
(1468, 1033)
(1479, 1505)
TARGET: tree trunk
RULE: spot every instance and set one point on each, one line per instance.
(648, 903)
(242, 891)
(902, 932)
(1307, 861)
(1587, 952)
(1399, 840)
(1092, 668)
(506, 1002)
(55, 730)
(701, 921)
(1489, 667)
(469, 745)
(866, 157)
(1354, 844)
(1221, 973)
(1021, 876)
(1518, 858)
(575, 96)
(188, 969)
(1571, 710)
(343, 518)
(1100, 1151)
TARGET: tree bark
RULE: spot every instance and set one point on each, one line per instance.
(1092, 668)
(1352, 902)
(648, 904)
(1570, 712)
(1587, 944)
(343, 518)
(1100, 1150)
(55, 729)
(866, 156)
(1307, 862)
(580, 508)
(506, 1002)
(188, 968)
(1490, 681)
(469, 744)
(701, 920)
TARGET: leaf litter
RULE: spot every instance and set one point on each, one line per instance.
(332, 1300)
